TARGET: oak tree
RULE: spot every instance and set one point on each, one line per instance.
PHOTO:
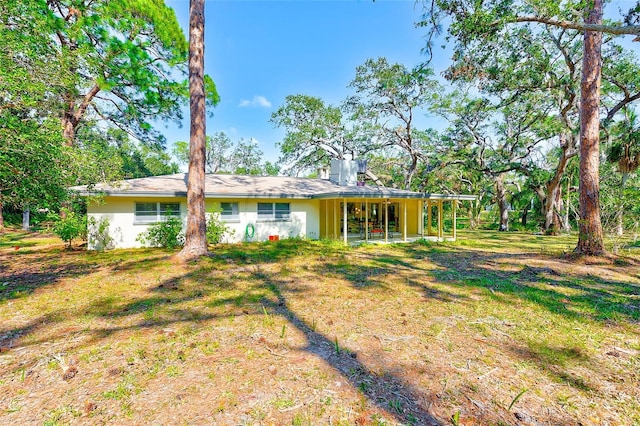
(474, 22)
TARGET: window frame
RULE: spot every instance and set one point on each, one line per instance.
(161, 208)
(232, 215)
(277, 212)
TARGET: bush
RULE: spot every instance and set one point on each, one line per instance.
(98, 234)
(167, 234)
(216, 228)
(70, 227)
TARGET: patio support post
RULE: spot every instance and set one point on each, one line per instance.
(326, 219)
(429, 217)
(335, 219)
(386, 221)
(421, 216)
(404, 221)
(440, 233)
(454, 204)
(366, 221)
(345, 226)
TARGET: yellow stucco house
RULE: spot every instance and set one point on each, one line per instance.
(258, 208)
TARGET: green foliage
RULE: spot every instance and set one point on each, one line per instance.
(624, 149)
(98, 234)
(32, 161)
(167, 234)
(110, 41)
(375, 122)
(315, 133)
(216, 228)
(112, 155)
(619, 205)
(32, 78)
(388, 96)
(123, 62)
(128, 49)
(516, 398)
(70, 226)
(223, 156)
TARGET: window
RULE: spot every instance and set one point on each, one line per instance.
(155, 212)
(229, 212)
(282, 211)
(274, 211)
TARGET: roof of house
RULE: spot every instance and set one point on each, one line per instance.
(238, 186)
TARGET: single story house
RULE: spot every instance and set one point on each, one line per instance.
(259, 208)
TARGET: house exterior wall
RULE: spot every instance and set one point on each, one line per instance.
(120, 211)
(304, 220)
(413, 217)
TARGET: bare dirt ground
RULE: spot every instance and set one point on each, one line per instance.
(492, 330)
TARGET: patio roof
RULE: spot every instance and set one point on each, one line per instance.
(239, 186)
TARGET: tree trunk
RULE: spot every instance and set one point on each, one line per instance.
(552, 220)
(195, 237)
(566, 225)
(1, 218)
(410, 172)
(69, 128)
(525, 213)
(74, 114)
(590, 236)
(474, 208)
(503, 205)
(620, 212)
(472, 218)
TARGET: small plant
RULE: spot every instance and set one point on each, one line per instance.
(284, 329)
(69, 226)
(455, 419)
(98, 234)
(13, 407)
(336, 346)
(173, 371)
(423, 242)
(364, 387)
(216, 228)
(517, 397)
(166, 234)
(267, 318)
(396, 405)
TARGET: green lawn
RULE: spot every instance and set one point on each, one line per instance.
(497, 328)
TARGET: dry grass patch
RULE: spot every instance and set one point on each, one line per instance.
(299, 332)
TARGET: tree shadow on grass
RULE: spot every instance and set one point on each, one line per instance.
(17, 240)
(173, 295)
(378, 270)
(267, 292)
(379, 390)
(552, 361)
(23, 272)
(575, 295)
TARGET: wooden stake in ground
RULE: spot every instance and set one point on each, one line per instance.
(195, 238)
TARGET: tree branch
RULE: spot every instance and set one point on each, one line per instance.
(581, 26)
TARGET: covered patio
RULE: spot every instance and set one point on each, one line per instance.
(398, 216)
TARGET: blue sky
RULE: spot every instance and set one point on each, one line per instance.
(258, 52)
